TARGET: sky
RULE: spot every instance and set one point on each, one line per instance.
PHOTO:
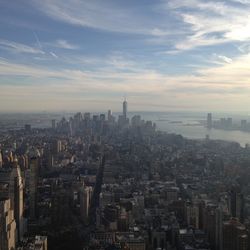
(163, 55)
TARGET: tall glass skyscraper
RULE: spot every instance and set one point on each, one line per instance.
(125, 109)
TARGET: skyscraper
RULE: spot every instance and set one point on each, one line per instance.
(125, 109)
(17, 191)
(53, 123)
(109, 115)
(11, 183)
(237, 203)
(1, 159)
(234, 235)
(33, 181)
(85, 199)
(8, 225)
(209, 121)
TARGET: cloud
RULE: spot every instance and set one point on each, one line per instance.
(19, 47)
(183, 24)
(105, 15)
(221, 59)
(180, 24)
(211, 22)
(63, 44)
(71, 88)
(244, 48)
(53, 54)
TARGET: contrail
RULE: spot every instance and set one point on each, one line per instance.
(40, 46)
(37, 40)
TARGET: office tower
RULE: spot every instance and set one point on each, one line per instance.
(23, 162)
(192, 214)
(122, 222)
(85, 198)
(78, 117)
(61, 208)
(102, 117)
(234, 235)
(110, 215)
(121, 121)
(218, 227)
(7, 225)
(109, 115)
(17, 190)
(209, 121)
(125, 109)
(209, 222)
(11, 183)
(53, 123)
(56, 146)
(50, 159)
(95, 118)
(86, 116)
(1, 159)
(33, 181)
(136, 121)
(236, 203)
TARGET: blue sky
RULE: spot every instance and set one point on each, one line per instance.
(87, 54)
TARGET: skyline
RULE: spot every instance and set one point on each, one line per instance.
(163, 55)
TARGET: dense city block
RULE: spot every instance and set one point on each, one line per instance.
(98, 182)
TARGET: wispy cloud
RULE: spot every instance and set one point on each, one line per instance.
(193, 23)
(63, 44)
(220, 59)
(154, 58)
(104, 15)
(53, 54)
(211, 22)
(230, 79)
(19, 47)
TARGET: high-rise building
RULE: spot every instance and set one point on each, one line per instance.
(125, 109)
(85, 198)
(237, 203)
(234, 235)
(102, 117)
(1, 159)
(136, 121)
(209, 121)
(11, 183)
(60, 208)
(56, 146)
(192, 214)
(7, 225)
(53, 123)
(109, 115)
(86, 116)
(17, 190)
(218, 227)
(33, 181)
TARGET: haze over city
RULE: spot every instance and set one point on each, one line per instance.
(124, 125)
(163, 55)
